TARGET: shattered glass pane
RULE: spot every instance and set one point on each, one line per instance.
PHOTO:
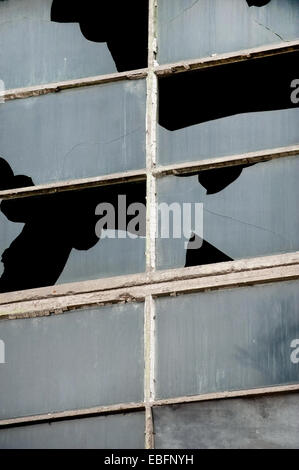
(232, 339)
(248, 211)
(59, 238)
(229, 109)
(79, 133)
(43, 41)
(190, 29)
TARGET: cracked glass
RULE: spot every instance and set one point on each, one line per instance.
(191, 29)
(79, 133)
(247, 211)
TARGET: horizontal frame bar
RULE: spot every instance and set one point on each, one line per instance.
(131, 407)
(126, 289)
(220, 162)
(69, 185)
(227, 58)
(39, 90)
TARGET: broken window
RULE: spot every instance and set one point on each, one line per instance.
(228, 109)
(43, 41)
(190, 29)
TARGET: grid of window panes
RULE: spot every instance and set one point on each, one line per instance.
(179, 108)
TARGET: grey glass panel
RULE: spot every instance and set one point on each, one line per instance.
(227, 340)
(246, 423)
(229, 109)
(35, 50)
(247, 212)
(104, 432)
(56, 238)
(192, 29)
(76, 360)
(76, 133)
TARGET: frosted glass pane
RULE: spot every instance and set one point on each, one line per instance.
(191, 29)
(71, 361)
(55, 238)
(247, 212)
(242, 423)
(43, 41)
(230, 339)
(104, 432)
(227, 110)
(74, 134)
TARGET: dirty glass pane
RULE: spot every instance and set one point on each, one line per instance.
(103, 432)
(269, 422)
(190, 29)
(58, 238)
(230, 339)
(71, 361)
(44, 41)
(74, 134)
(236, 212)
(230, 109)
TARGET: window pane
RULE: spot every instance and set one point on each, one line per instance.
(58, 238)
(232, 339)
(247, 211)
(74, 134)
(230, 109)
(71, 361)
(44, 41)
(191, 29)
(103, 432)
(243, 423)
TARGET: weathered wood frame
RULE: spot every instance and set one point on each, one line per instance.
(151, 284)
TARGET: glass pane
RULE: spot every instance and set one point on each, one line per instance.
(102, 432)
(191, 29)
(243, 423)
(229, 109)
(75, 360)
(58, 238)
(74, 134)
(232, 339)
(44, 41)
(239, 212)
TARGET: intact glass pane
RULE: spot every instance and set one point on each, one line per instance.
(235, 212)
(58, 238)
(78, 133)
(191, 29)
(44, 41)
(230, 339)
(75, 360)
(103, 432)
(269, 422)
(229, 109)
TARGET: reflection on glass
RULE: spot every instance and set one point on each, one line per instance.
(227, 340)
(190, 29)
(53, 239)
(76, 133)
